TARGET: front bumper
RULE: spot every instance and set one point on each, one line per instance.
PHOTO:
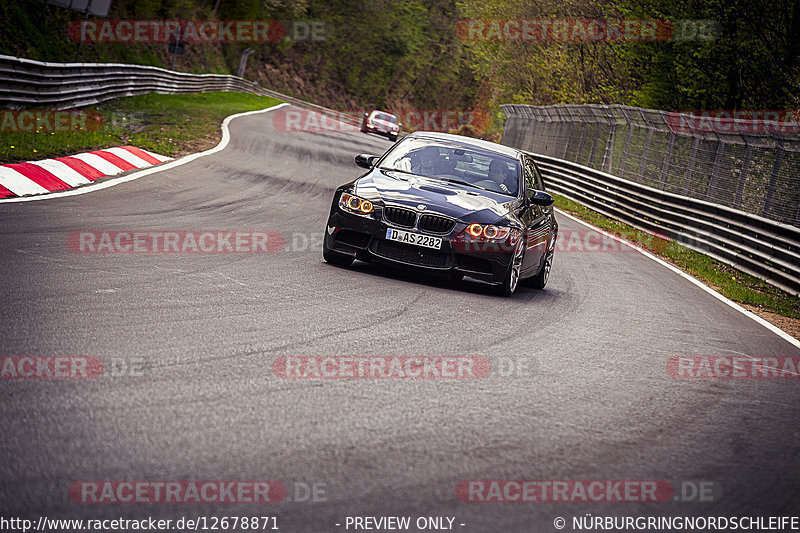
(365, 239)
(372, 128)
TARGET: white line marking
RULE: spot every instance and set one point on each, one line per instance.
(773, 328)
(94, 160)
(62, 171)
(18, 183)
(136, 174)
(125, 155)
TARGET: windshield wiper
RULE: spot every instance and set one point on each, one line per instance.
(397, 170)
(448, 180)
(459, 182)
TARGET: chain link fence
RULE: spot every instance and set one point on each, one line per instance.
(748, 165)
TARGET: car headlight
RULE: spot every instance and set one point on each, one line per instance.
(354, 204)
(491, 232)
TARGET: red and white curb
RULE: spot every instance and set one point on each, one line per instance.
(48, 175)
(112, 182)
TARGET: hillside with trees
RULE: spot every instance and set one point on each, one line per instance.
(411, 54)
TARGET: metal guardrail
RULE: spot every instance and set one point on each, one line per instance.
(561, 138)
(758, 246)
(748, 165)
(25, 82)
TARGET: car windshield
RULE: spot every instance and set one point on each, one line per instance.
(384, 116)
(485, 170)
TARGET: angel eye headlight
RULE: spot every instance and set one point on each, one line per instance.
(476, 230)
(488, 232)
(354, 204)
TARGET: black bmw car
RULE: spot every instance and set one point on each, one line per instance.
(450, 204)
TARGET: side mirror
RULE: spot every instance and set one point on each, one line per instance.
(541, 198)
(366, 160)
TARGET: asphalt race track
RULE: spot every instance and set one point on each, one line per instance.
(595, 402)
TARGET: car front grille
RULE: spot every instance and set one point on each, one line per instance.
(414, 255)
(400, 216)
(436, 224)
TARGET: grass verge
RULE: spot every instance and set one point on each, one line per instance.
(168, 124)
(771, 303)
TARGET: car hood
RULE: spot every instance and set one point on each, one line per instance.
(464, 203)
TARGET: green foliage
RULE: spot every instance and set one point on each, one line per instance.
(750, 60)
(752, 63)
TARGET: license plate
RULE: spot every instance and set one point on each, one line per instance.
(417, 239)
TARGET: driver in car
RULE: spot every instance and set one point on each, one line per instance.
(426, 161)
(497, 173)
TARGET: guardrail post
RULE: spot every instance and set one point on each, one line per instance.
(690, 166)
(715, 169)
(243, 61)
(608, 155)
(644, 153)
(598, 130)
(748, 154)
(665, 165)
(580, 143)
(797, 218)
(773, 179)
(568, 140)
(627, 148)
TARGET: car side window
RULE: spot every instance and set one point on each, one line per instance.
(538, 178)
(530, 177)
(533, 180)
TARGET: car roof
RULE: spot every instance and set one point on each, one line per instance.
(382, 112)
(468, 141)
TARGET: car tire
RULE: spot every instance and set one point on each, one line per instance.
(393, 138)
(335, 258)
(511, 282)
(540, 279)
